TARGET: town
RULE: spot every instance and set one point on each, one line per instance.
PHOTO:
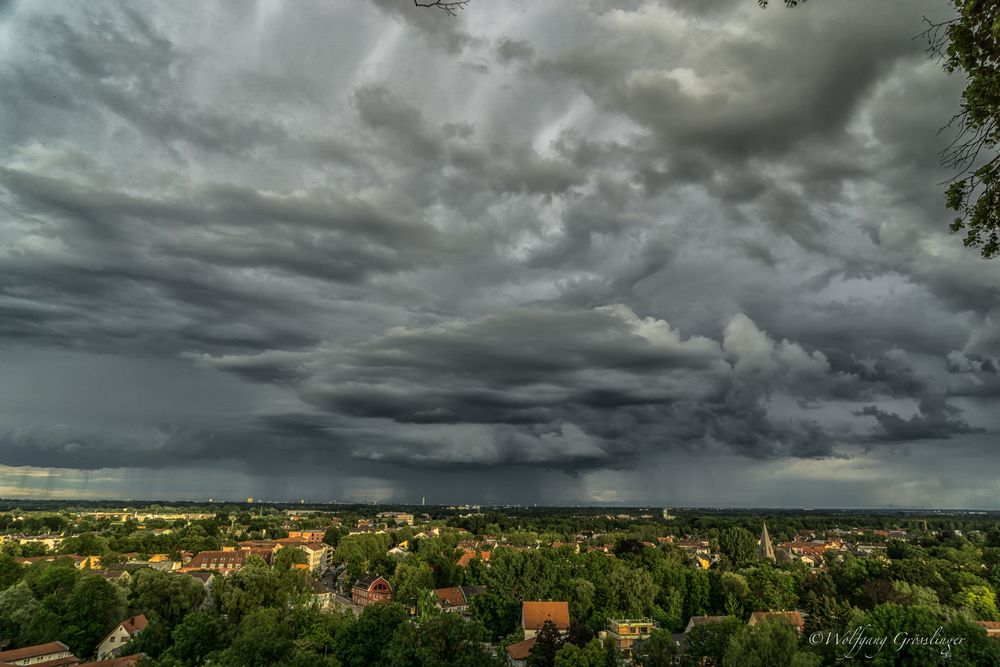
(279, 584)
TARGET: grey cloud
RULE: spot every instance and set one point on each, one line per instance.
(937, 419)
(382, 241)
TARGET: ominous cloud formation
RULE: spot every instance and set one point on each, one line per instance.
(650, 252)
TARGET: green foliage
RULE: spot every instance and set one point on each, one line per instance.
(497, 615)
(889, 620)
(710, 641)
(970, 44)
(738, 545)
(768, 644)
(165, 597)
(590, 655)
(444, 640)
(365, 642)
(548, 643)
(10, 571)
(659, 650)
(196, 637)
(770, 589)
(93, 608)
(18, 607)
(412, 582)
(286, 558)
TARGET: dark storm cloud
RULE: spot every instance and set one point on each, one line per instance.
(534, 251)
(937, 419)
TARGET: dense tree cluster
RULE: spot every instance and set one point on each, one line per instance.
(943, 576)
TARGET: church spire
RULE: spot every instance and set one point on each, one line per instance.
(765, 551)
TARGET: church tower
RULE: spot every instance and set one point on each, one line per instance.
(764, 549)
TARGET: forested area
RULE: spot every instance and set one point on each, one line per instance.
(942, 577)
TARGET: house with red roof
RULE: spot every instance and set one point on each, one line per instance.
(52, 654)
(534, 615)
(126, 631)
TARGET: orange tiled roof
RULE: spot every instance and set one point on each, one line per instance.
(135, 624)
(521, 650)
(451, 597)
(534, 615)
(32, 651)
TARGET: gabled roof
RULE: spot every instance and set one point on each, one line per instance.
(123, 661)
(68, 661)
(366, 581)
(135, 624)
(320, 587)
(35, 651)
(521, 650)
(451, 597)
(534, 615)
(699, 620)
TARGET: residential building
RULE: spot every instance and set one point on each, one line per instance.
(307, 535)
(126, 631)
(698, 620)
(123, 661)
(226, 561)
(401, 518)
(120, 577)
(81, 562)
(456, 598)
(317, 553)
(534, 614)
(55, 653)
(626, 632)
(471, 554)
(370, 589)
(517, 654)
(323, 593)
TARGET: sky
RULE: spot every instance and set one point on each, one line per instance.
(677, 253)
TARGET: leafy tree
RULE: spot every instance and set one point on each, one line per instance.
(498, 616)
(264, 639)
(658, 650)
(890, 619)
(10, 571)
(980, 600)
(412, 581)
(580, 595)
(286, 558)
(163, 596)
(579, 634)
(768, 644)
(17, 608)
(770, 589)
(975, 647)
(709, 642)
(548, 642)
(444, 640)
(87, 544)
(632, 591)
(589, 655)
(738, 545)
(365, 642)
(94, 607)
(197, 637)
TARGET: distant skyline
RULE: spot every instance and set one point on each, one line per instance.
(677, 253)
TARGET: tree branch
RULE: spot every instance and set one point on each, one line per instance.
(447, 6)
